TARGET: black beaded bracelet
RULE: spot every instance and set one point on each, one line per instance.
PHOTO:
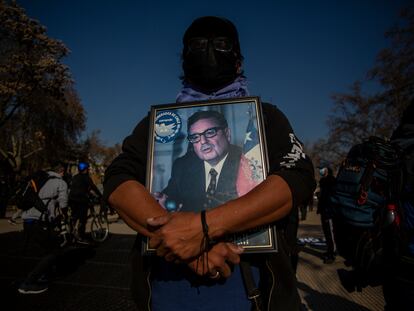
(204, 223)
(205, 243)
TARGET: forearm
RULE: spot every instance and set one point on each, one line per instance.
(135, 205)
(269, 201)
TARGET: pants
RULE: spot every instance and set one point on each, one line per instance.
(327, 227)
(79, 213)
(303, 211)
(38, 235)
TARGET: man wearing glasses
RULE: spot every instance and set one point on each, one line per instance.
(206, 176)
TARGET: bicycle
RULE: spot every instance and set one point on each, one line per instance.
(99, 222)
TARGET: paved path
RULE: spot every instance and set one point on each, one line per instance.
(97, 278)
(319, 284)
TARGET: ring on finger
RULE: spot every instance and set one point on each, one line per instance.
(215, 276)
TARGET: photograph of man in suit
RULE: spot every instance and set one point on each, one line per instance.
(209, 173)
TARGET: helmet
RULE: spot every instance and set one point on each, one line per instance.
(83, 166)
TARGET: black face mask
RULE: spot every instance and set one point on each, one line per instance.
(210, 69)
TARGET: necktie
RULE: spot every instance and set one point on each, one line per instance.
(213, 181)
(211, 189)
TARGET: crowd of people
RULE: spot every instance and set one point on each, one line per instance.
(42, 228)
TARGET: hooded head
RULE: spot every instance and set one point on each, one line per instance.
(211, 53)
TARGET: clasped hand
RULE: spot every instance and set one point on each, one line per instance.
(178, 236)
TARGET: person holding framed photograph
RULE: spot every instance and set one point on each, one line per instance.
(194, 268)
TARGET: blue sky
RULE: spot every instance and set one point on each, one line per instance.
(125, 54)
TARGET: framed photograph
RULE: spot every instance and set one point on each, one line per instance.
(203, 154)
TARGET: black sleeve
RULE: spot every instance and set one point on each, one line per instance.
(286, 156)
(93, 187)
(131, 163)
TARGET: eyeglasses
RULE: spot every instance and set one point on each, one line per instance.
(200, 44)
(208, 133)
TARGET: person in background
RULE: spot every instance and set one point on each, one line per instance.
(17, 214)
(38, 231)
(81, 189)
(326, 184)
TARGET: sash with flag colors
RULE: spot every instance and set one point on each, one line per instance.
(250, 171)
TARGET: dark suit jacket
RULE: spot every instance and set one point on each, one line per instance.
(187, 183)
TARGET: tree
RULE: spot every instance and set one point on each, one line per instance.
(97, 153)
(356, 115)
(30, 62)
(41, 116)
(394, 68)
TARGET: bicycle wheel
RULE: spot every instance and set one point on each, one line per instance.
(99, 228)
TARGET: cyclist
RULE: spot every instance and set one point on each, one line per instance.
(81, 189)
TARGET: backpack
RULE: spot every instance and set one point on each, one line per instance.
(363, 199)
(363, 182)
(401, 243)
(28, 194)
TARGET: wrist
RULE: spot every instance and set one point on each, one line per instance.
(215, 226)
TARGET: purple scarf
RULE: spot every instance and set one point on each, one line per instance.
(237, 89)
